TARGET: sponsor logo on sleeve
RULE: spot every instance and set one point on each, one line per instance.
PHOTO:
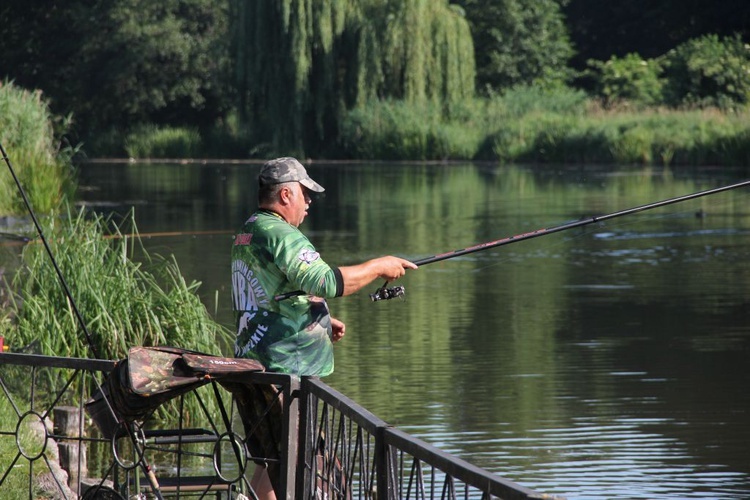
(308, 256)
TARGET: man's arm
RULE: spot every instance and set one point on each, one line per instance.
(388, 268)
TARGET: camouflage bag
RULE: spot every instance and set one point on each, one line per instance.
(151, 376)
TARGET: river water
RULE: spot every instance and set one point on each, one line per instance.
(608, 361)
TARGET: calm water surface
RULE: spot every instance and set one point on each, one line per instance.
(609, 361)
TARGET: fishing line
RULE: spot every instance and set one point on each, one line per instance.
(38, 227)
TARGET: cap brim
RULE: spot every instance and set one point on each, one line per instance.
(312, 185)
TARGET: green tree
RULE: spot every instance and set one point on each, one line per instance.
(709, 71)
(518, 42)
(118, 64)
(158, 62)
(600, 30)
(301, 63)
(631, 79)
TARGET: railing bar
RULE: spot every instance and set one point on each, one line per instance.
(60, 394)
(433, 479)
(339, 457)
(54, 476)
(79, 437)
(345, 405)
(311, 431)
(222, 409)
(10, 467)
(307, 453)
(456, 467)
(354, 456)
(32, 391)
(412, 480)
(31, 478)
(447, 492)
(420, 480)
(10, 397)
(179, 444)
(402, 461)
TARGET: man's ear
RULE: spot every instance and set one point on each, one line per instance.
(285, 195)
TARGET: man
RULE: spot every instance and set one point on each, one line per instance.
(272, 257)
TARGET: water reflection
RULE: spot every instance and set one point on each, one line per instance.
(605, 362)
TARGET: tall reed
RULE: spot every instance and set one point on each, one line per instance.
(124, 302)
(27, 134)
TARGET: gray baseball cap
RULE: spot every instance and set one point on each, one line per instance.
(287, 169)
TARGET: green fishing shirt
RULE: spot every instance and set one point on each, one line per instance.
(271, 257)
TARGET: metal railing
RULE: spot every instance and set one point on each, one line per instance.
(349, 453)
(339, 450)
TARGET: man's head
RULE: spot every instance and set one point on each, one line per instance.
(284, 187)
(286, 169)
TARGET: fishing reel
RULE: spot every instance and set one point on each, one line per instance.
(384, 293)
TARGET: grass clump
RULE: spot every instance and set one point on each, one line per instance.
(124, 302)
(28, 137)
(396, 130)
(151, 141)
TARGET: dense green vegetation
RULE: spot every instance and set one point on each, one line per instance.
(28, 136)
(126, 296)
(534, 125)
(227, 78)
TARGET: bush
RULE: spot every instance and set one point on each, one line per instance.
(708, 71)
(630, 79)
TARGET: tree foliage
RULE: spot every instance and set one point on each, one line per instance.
(519, 42)
(600, 30)
(631, 79)
(709, 71)
(291, 69)
(116, 64)
(301, 63)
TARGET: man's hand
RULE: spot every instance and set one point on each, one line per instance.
(338, 329)
(388, 268)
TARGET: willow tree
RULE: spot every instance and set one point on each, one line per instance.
(301, 63)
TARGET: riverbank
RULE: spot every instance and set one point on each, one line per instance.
(537, 127)
(523, 126)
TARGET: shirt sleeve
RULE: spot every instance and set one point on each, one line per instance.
(305, 269)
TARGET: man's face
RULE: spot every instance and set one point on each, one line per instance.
(299, 203)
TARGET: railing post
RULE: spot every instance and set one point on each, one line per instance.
(289, 435)
(305, 422)
(67, 424)
(385, 488)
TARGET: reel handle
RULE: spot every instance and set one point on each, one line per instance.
(384, 293)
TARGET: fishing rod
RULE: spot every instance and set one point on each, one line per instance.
(384, 293)
(38, 227)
